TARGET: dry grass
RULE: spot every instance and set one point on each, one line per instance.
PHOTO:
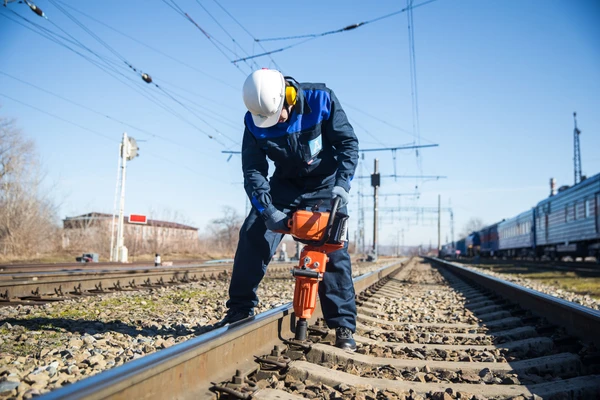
(583, 283)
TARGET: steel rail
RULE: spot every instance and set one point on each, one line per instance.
(68, 264)
(587, 268)
(46, 284)
(185, 371)
(579, 321)
(52, 283)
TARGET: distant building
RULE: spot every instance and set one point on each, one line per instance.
(154, 236)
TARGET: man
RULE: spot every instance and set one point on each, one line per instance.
(303, 129)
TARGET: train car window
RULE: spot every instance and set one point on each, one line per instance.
(587, 208)
(575, 211)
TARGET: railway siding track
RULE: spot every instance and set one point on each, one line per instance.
(47, 286)
(423, 332)
(578, 320)
(56, 286)
(12, 268)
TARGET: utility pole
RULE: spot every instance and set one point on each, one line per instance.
(128, 150)
(439, 246)
(375, 182)
(577, 151)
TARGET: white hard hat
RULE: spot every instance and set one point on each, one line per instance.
(264, 95)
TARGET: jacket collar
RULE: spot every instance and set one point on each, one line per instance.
(301, 106)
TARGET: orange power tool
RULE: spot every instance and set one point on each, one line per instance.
(323, 233)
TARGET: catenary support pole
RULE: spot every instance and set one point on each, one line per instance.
(375, 183)
(439, 223)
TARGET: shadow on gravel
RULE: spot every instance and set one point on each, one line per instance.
(92, 327)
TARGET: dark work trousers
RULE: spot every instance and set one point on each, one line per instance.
(257, 245)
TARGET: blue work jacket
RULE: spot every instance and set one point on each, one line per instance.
(315, 144)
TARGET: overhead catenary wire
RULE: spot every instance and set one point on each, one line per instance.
(360, 110)
(50, 35)
(112, 50)
(215, 42)
(105, 66)
(196, 94)
(197, 116)
(100, 134)
(54, 37)
(166, 94)
(93, 35)
(273, 51)
(149, 47)
(311, 36)
(154, 135)
(248, 32)
(147, 95)
(218, 117)
(253, 64)
(413, 82)
(354, 122)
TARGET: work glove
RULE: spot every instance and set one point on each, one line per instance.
(340, 192)
(275, 220)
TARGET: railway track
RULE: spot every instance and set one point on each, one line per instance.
(42, 285)
(45, 286)
(66, 266)
(590, 269)
(425, 330)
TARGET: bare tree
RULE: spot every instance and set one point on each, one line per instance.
(225, 230)
(87, 235)
(26, 215)
(474, 224)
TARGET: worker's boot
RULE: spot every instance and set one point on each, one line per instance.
(233, 315)
(344, 339)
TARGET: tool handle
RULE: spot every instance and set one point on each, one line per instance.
(334, 209)
(307, 273)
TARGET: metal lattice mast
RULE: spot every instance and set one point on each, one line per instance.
(577, 151)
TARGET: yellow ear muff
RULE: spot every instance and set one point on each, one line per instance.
(290, 95)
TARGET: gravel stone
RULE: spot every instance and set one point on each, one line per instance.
(7, 387)
(82, 336)
(584, 300)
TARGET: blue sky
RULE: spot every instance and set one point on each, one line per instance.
(497, 82)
